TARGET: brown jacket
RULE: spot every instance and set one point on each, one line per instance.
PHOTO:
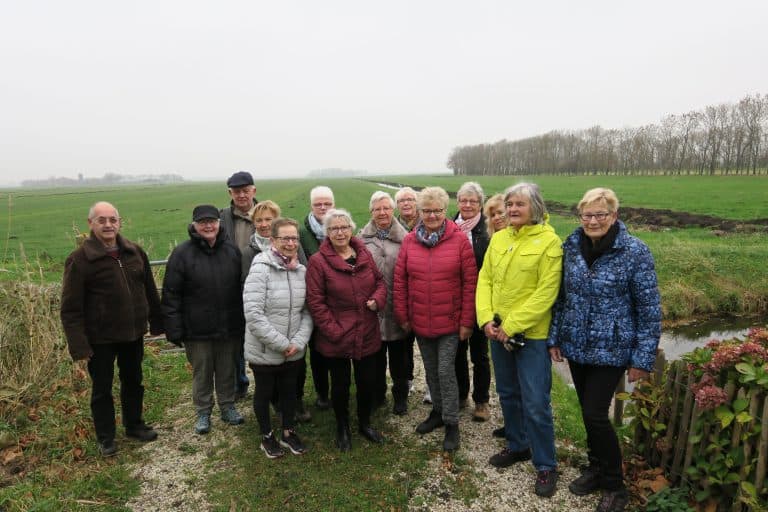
(107, 300)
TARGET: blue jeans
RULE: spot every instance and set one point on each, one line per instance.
(523, 382)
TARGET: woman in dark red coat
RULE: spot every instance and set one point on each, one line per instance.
(345, 290)
(434, 295)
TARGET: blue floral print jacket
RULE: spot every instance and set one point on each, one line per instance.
(609, 314)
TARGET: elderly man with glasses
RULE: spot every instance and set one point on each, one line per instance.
(108, 297)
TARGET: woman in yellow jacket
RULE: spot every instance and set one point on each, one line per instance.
(517, 285)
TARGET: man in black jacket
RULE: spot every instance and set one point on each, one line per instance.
(203, 310)
(108, 296)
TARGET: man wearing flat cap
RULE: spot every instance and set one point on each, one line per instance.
(238, 226)
(203, 310)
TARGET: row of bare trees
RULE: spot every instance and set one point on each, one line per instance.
(723, 139)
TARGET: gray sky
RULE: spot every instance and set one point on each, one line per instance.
(280, 88)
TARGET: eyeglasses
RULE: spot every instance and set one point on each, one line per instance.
(104, 220)
(288, 239)
(339, 229)
(600, 217)
(469, 201)
(322, 205)
(207, 222)
(406, 200)
(437, 212)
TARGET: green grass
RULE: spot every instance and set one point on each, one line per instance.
(729, 197)
(63, 468)
(699, 274)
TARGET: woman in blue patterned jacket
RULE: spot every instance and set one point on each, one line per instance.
(607, 320)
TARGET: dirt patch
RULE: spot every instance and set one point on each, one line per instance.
(653, 219)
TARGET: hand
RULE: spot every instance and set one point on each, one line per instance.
(292, 349)
(491, 330)
(501, 335)
(464, 333)
(555, 355)
(406, 326)
(372, 305)
(635, 374)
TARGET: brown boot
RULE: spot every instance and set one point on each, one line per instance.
(482, 412)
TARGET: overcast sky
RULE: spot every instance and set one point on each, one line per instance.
(280, 88)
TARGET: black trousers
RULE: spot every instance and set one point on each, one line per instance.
(398, 370)
(409, 357)
(481, 368)
(268, 380)
(101, 368)
(595, 386)
(341, 379)
(320, 368)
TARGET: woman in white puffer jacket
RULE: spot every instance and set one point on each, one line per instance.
(278, 327)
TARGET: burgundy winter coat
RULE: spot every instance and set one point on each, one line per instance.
(434, 287)
(336, 295)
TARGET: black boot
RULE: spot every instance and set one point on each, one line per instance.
(451, 440)
(343, 436)
(435, 420)
(400, 408)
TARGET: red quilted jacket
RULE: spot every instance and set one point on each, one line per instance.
(434, 287)
(336, 296)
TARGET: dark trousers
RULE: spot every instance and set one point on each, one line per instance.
(595, 386)
(481, 368)
(268, 380)
(241, 379)
(341, 379)
(398, 370)
(320, 368)
(409, 357)
(101, 368)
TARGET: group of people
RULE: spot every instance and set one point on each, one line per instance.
(252, 286)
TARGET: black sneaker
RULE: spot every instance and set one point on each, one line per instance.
(507, 457)
(107, 448)
(452, 438)
(546, 483)
(271, 447)
(613, 501)
(499, 433)
(293, 443)
(587, 483)
(142, 432)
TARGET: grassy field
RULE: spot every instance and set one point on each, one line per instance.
(700, 274)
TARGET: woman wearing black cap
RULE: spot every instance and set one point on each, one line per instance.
(203, 310)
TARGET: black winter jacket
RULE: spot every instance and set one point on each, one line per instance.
(202, 295)
(480, 240)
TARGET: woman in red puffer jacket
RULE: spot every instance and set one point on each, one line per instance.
(434, 296)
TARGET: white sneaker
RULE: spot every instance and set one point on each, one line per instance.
(427, 397)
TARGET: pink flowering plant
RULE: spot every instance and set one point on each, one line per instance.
(722, 469)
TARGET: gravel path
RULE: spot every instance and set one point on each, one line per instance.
(179, 460)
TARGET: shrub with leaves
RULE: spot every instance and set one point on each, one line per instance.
(725, 468)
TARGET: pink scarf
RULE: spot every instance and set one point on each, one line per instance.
(288, 263)
(467, 225)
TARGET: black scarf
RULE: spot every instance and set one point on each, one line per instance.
(591, 251)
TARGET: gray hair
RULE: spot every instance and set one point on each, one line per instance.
(378, 196)
(471, 188)
(321, 191)
(405, 190)
(432, 195)
(92, 209)
(338, 214)
(531, 192)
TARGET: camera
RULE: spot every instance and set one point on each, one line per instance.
(514, 343)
